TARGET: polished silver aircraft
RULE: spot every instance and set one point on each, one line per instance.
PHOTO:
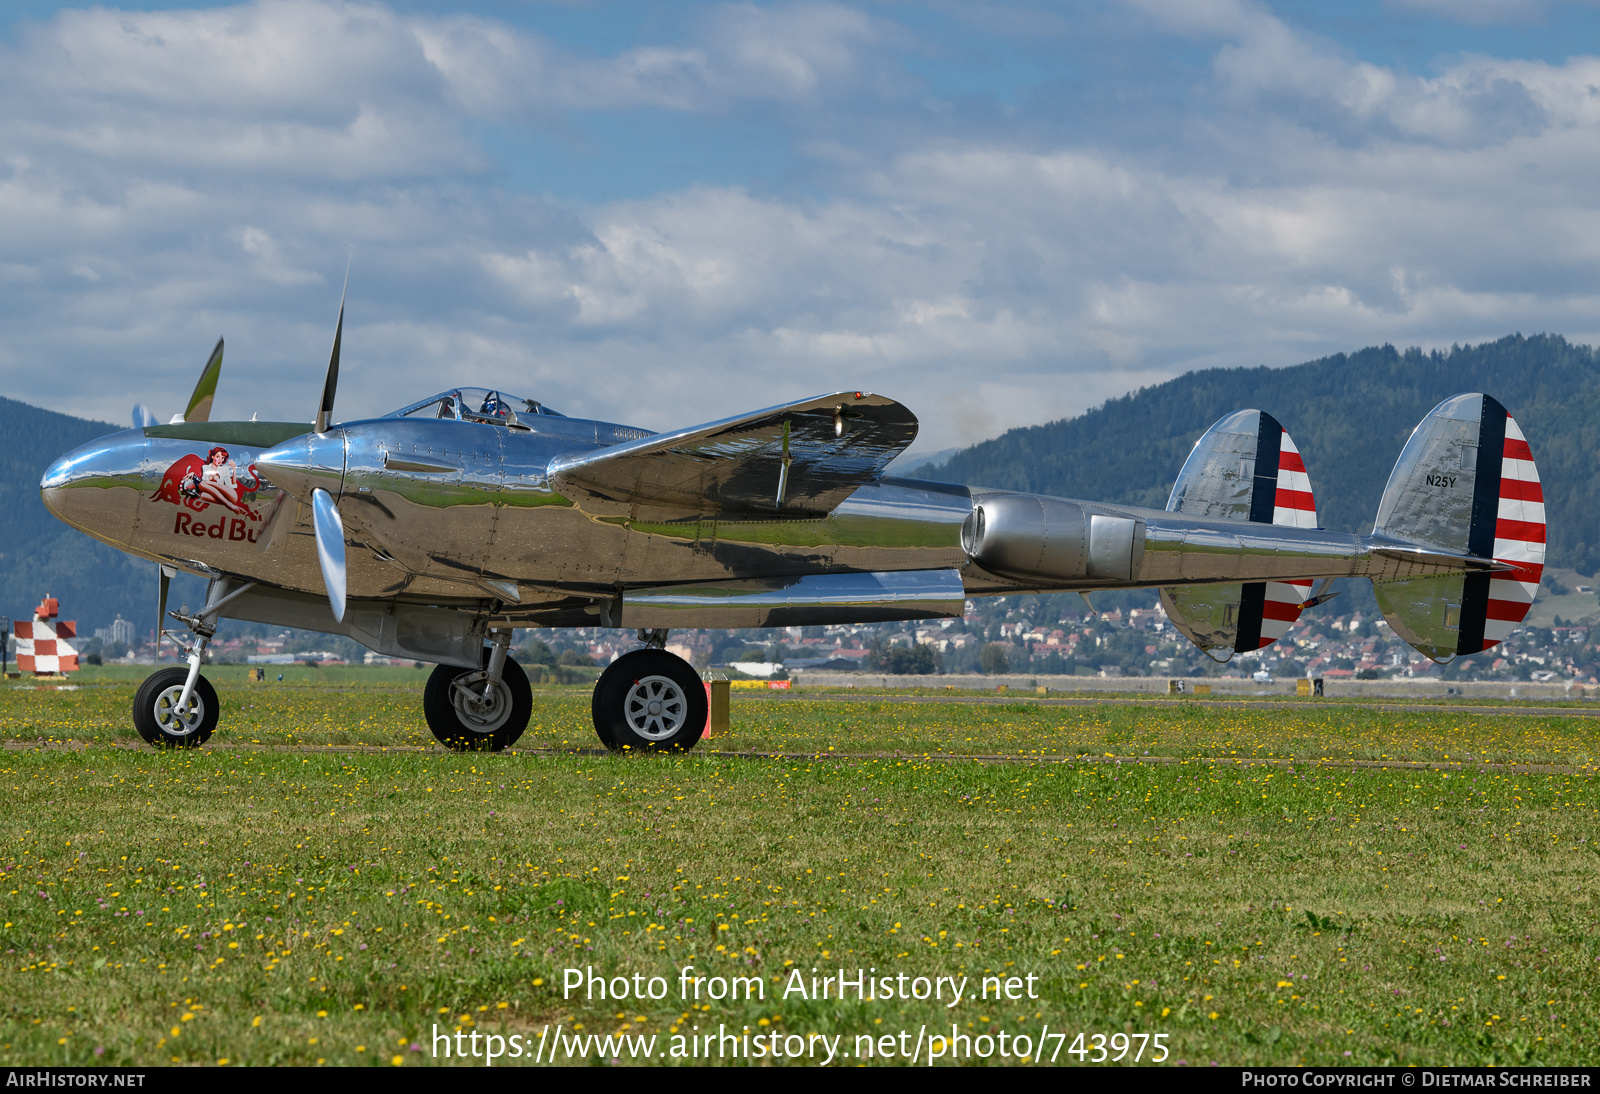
(431, 532)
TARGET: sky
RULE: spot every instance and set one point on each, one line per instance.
(669, 213)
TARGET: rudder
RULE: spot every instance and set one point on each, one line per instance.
(1246, 467)
(1465, 482)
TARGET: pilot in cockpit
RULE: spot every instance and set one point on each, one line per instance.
(494, 406)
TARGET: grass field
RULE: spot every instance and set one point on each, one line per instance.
(278, 901)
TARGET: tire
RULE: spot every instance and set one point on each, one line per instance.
(649, 701)
(154, 713)
(462, 722)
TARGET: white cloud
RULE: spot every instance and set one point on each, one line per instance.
(794, 52)
(1478, 13)
(175, 176)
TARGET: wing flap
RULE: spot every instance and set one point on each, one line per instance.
(800, 459)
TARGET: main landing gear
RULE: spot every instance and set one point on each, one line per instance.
(479, 710)
(650, 700)
(646, 701)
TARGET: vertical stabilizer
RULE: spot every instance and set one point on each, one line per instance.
(1245, 468)
(1465, 482)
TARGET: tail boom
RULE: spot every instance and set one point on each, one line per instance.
(1163, 548)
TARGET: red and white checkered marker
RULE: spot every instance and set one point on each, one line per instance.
(43, 646)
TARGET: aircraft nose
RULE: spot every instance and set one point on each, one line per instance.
(52, 487)
(88, 487)
(57, 475)
(306, 463)
(108, 457)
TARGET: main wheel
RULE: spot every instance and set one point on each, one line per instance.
(156, 715)
(649, 701)
(464, 720)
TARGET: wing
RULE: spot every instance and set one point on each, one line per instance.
(798, 460)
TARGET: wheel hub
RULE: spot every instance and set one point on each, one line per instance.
(476, 713)
(655, 707)
(173, 722)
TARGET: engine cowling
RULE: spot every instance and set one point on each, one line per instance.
(1050, 539)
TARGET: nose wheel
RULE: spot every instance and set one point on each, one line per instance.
(649, 701)
(164, 720)
(468, 714)
(177, 708)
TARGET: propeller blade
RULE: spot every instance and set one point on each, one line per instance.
(283, 513)
(205, 391)
(331, 384)
(330, 548)
(164, 576)
(142, 416)
(1319, 594)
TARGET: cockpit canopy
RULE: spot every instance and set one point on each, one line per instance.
(477, 404)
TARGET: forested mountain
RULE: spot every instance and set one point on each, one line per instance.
(1349, 414)
(39, 554)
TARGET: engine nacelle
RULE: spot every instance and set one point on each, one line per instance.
(1027, 536)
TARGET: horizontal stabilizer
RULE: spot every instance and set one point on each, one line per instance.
(797, 460)
(1445, 560)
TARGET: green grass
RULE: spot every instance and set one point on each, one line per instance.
(383, 706)
(302, 905)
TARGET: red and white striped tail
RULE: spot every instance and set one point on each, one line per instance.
(1294, 507)
(1519, 539)
(1248, 448)
(1475, 492)
(44, 649)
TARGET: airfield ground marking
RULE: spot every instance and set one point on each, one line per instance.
(1443, 707)
(951, 757)
(1533, 708)
(941, 757)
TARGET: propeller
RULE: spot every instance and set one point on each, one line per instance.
(297, 465)
(283, 513)
(142, 416)
(1319, 595)
(330, 548)
(205, 389)
(324, 510)
(331, 383)
(164, 576)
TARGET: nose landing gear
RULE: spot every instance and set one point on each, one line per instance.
(165, 719)
(177, 708)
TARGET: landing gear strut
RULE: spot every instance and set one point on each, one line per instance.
(177, 708)
(649, 701)
(479, 710)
